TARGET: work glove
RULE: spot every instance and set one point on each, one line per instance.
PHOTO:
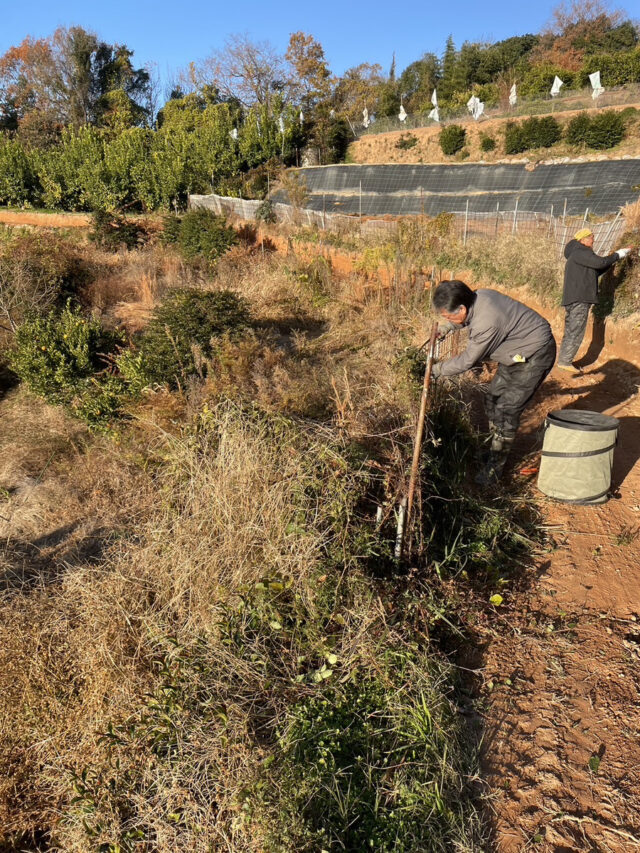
(622, 253)
(436, 368)
(444, 329)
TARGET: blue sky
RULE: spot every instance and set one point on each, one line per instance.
(171, 33)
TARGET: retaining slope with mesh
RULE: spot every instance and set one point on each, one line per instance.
(398, 190)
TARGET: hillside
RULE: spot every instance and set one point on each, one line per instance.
(390, 148)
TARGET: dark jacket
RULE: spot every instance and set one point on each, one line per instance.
(581, 273)
(500, 329)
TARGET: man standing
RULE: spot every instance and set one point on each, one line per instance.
(580, 291)
(503, 330)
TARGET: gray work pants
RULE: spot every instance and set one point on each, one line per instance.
(513, 386)
(575, 325)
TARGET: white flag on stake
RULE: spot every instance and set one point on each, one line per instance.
(597, 86)
(234, 133)
(281, 123)
(301, 118)
(402, 115)
(434, 114)
(513, 96)
(475, 107)
(557, 84)
(365, 117)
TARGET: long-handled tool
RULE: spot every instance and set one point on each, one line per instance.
(405, 513)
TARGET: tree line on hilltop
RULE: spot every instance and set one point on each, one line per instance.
(82, 128)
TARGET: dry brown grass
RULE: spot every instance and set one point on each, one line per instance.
(129, 570)
(631, 216)
(77, 654)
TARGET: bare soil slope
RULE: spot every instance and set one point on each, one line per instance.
(382, 147)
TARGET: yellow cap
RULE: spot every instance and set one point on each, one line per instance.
(584, 232)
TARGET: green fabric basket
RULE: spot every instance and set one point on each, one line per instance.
(577, 456)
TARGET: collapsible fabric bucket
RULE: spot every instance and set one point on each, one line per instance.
(577, 456)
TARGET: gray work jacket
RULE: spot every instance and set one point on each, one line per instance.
(500, 329)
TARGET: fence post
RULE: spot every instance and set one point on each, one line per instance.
(466, 223)
(497, 217)
(564, 239)
(514, 227)
(564, 212)
(360, 206)
(604, 245)
(324, 222)
(586, 214)
(550, 221)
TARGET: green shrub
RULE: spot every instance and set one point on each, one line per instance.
(63, 357)
(541, 132)
(600, 131)
(99, 401)
(514, 139)
(487, 143)
(605, 130)
(628, 114)
(576, 132)
(53, 354)
(406, 141)
(185, 323)
(204, 235)
(266, 212)
(111, 232)
(170, 229)
(452, 138)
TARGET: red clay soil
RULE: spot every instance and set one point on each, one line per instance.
(561, 677)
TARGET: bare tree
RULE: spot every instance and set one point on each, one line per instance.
(22, 291)
(244, 69)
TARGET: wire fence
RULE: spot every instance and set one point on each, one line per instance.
(465, 226)
(564, 102)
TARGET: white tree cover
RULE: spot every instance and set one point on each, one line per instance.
(557, 84)
(598, 89)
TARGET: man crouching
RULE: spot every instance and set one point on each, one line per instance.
(504, 330)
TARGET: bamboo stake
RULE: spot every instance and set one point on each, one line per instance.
(417, 447)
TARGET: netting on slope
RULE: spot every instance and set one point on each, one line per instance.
(599, 188)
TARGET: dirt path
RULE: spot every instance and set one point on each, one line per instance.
(562, 680)
(45, 220)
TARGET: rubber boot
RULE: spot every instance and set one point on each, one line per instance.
(499, 451)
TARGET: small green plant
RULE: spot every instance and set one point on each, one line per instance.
(487, 143)
(111, 232)
(266, 212)
(452, 138)
(181, 328)
(626, 536)
(406, 141)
